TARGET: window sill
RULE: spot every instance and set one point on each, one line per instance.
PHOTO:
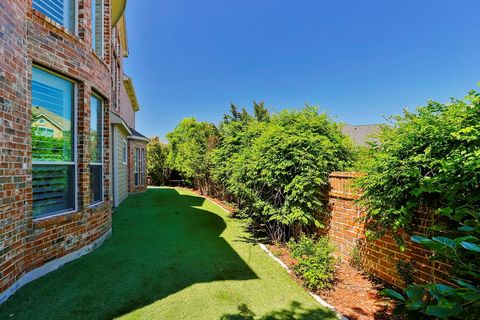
(58, 26)
(54, 218)
(96, 204)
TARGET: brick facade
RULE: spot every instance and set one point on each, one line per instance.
(133, 145)
(28, 38)
(379, 257)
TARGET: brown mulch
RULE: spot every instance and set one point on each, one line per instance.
(354, 294)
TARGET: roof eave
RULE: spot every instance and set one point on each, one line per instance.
(128, 83)
(118, 8)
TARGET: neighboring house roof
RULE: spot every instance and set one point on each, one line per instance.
(128, 83)
(137, 135)
(58, 121)
(361, 134)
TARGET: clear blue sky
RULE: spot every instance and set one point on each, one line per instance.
(357, 60)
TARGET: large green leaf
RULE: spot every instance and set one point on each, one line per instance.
(470, 246)
(393, 294)
(444, 310)
(445, 241)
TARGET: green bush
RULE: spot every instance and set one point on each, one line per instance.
(191, 144)
(431, 157)
(315, 261)
(157, 167)
(276, 166)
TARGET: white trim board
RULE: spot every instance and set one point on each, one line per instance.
(52, 266)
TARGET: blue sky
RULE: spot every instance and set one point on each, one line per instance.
(357, 60)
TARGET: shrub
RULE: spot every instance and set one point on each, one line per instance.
(157, 167)
(431, 157)
(277, 166)
(316, 263)
(191, 144)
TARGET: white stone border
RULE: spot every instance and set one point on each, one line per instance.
(315, 296)
(52, 266)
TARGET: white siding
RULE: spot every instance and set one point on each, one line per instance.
(121, 174)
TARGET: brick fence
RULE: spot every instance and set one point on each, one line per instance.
(379, 257)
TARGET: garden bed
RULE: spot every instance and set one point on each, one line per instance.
(354, 294)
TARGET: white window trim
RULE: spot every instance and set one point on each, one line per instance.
(125, 155)
(96, 203)
(75, 153)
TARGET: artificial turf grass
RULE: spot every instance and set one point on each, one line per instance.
(172, 255)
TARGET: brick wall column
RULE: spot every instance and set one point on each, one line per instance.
(15, 144)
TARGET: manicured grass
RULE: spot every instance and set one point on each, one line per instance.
(172, 255)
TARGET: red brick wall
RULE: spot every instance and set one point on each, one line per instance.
(378, 257)
(15, 167)
(29, 38)
(132, 146)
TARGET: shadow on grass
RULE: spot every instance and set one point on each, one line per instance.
(295, 311)
(162, 242)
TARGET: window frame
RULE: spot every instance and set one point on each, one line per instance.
(74, 146)
(102, 103)
(125, 153)
(136, 169)
(76, 9)
(102, 26)
(142, 166)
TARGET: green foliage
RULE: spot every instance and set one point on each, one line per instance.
(315, 262)
(273, 167)
(191, 144)
(356, 257)
(276, 166)
(437, 301)
(50, 148)
(431, 157)
(428, 157)
(157, 167)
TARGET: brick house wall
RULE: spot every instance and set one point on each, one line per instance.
(30, 38)
(379, 257)
(126, 111)
(133, 145)
(15, 168)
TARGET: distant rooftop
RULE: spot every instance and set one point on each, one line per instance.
(361, 134)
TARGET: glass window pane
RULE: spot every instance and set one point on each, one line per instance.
(96, 130)
(53, 189)
(52, 111)
(60, 11)
(97, 26)
(96, 183)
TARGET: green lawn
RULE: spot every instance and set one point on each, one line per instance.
(172, 255)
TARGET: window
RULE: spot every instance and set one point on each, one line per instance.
(97, 26)
(46, 132)
(60, 11)
(54, 169)
(142, 180)
(96, 149)
(136, 164)
(124, 152)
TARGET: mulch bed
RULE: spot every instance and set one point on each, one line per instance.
(355, 295)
